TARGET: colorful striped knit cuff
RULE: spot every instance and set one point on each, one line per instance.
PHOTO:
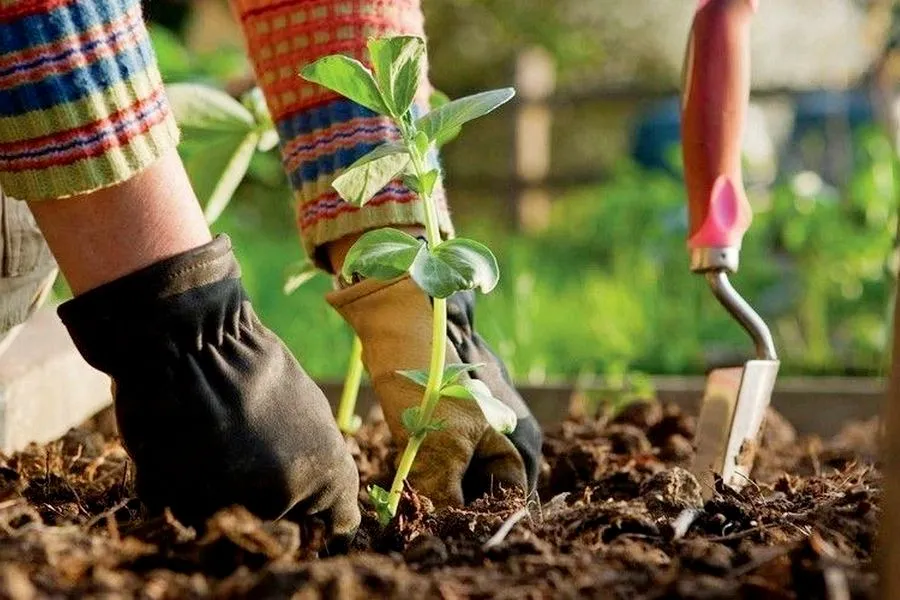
(82, 104)
(321, 133)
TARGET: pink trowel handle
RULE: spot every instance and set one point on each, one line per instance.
(714, 109)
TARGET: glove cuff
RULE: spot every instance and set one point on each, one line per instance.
(174, 305)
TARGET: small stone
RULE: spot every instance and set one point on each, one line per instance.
(671, 491)
(627, 439)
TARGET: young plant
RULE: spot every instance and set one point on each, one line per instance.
(439, 267)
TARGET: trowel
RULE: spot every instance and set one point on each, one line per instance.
(716, 89)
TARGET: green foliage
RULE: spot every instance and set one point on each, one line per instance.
(349, 78)
(368, 176)
(496, 413)
(398, 63)
(221, 137)
(443, 123)
(382, 254)
(381, 499)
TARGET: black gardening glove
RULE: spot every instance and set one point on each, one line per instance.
(211, 406)
(472, 349)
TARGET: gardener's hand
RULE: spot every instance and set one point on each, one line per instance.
(467, 458)
(210, 404)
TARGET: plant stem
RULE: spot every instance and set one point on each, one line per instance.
(432, 394)
(350, 393)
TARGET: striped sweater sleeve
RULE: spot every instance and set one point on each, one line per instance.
(322, 133)
(82, 104)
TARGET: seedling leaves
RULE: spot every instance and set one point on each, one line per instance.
(381, 499)
(382, 254)
(443, 123)
(428, 181)
(349, 78)
(410, 420)
(451, 374)
(397, 62)
(297, 274)
(453, 266)
(498, 415)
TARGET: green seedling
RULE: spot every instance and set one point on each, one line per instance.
(439, 267)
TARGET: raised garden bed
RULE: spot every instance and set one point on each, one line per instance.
(612, 521)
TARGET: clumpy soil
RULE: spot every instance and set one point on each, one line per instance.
(617, 516)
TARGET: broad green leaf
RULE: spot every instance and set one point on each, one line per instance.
(216, 172)
(174, 60)
(349, 78)
(428, 180)
(437, 99)
(397, 62)
(419, 376)
(440, 124)
(412, 182)
(450, 375)
(453, 371)
(381, 500)
(422, 143)
(385, 149)
(453, 266)
(382, 254)
(498, 415)
(298, 274)
(358, 184)
(205, 108)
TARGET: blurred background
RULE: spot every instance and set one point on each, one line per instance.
(577, 185)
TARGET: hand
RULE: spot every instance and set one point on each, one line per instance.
(211, 406)
(467, 458)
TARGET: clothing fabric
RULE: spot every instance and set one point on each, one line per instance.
(322, 133)
(82, 105)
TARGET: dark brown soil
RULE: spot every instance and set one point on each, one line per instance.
(618, 517)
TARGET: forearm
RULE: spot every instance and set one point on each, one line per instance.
(82, 105)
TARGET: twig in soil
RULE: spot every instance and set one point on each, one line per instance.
(738, 535)
(504, 530)
(771, 554)
(107, 513)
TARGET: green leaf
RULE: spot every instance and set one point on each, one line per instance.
(255, 102)
(410, 419)
(453, 266)
(419, 376)
(359, 183)
(298, 274)
(454, 370)
(450, 375)
(349, 78)
(268, 139)
(442, 124)
(397, 62)
(437, 99)
(422, 143)
(205, 108)
(382, 254)
(428, 180)
(412, 182)
(498, 415)
(381, 151)
(381, 499)
(217, 171)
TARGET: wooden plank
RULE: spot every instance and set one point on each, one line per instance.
(813, 405)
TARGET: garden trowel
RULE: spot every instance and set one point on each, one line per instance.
(714, 107)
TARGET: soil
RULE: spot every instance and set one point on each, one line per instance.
(618, 516)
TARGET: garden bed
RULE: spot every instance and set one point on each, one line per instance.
(618, 517)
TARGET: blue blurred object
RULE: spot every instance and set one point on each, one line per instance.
(658, 130)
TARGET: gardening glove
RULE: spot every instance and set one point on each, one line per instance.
(211, 406)
(467, 458)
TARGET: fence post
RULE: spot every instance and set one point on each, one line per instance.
(535, 80)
